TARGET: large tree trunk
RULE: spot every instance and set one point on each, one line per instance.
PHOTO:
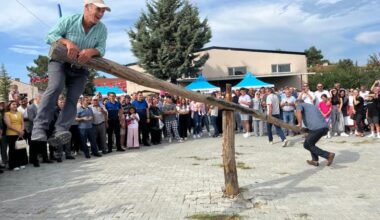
(59, 52)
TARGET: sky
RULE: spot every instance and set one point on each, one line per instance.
(340, 28)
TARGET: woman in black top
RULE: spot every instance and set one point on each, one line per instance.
(342, 95)
(359, 113)
(184, 113)
(336, 112)
(155, 116)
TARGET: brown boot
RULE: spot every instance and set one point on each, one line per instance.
(312, 163)
(330, 159)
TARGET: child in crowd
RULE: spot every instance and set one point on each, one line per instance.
(14, 94)
(373, 115)
(325, 107)
(133, 128)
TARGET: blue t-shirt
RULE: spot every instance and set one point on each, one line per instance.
(113, 110)
(311, 116)
(84, 112)
(141, 107)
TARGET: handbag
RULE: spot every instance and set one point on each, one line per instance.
(18, 146)
(160, 124)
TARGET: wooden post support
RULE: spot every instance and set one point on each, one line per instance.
(229, 163)
(59, 52)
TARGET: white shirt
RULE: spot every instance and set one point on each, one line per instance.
(133, 123)
(272, 99)
(307, 99)
(318, 95)
(98, 115)
(363, 94)
(23, 111)
(245, 98)
(290, 100)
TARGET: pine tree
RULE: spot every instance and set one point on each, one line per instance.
(167, 37)
(314, 56)
(5, 83)
(38, 72)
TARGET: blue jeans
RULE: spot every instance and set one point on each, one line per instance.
(88, 134)
(60, 75)
(288, 117)
(278, 130)
(197, 123)
(214, 122)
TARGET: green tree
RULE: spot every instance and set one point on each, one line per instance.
(38, 72)
(5, 83)
(90, 87)
(166, 38)
(314, 56)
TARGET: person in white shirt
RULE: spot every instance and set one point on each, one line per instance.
(306, 95)
(273, 109)
(288, 106)
(100, 124)
(318, 94)
(245, 100)
(133, 128)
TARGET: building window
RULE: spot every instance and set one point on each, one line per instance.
(281, 68)
(237, 71)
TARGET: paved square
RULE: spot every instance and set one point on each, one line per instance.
(179, 180)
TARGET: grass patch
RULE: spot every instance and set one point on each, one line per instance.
(215, 217)
(243, 166)
(200, 158)
(303, 215)
(240, 165)
(259, 205)
(218, 165)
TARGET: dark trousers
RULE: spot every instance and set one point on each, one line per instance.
(156, 135)
(36, 148)
(76, 143)
(359, 119)
(214, 122)
(88, 134)
(279, 131)
(16, 157)
(312, 139)
(143, 131)
(183, 124)
(113, 128)
(4, 149)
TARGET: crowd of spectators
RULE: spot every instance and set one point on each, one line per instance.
(128, 122)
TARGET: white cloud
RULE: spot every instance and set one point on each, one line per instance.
(369, 37)
(327, 2)
(25, 51)
(120, 56)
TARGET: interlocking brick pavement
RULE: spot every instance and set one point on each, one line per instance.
(179, 180)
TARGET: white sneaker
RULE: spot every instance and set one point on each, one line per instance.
(170, 140)
(371, 135)
(270, 142)
(22, 167)
(285, 143)
(209, 134)
(16, 169)
(180, 140)
(185, 139)
(336, 134)
(378, 136)
(343, 134)
(194, 136)
(199, 136)
(328, 135)
(246, 135)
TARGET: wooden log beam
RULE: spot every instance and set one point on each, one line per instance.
(59, 52)
(229, 163)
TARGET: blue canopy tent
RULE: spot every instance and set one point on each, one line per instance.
(201, 84)
(250, 81)
(105, 89)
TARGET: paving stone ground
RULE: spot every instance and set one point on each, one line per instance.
(179, 180)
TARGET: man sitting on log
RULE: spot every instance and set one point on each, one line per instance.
(85, 37)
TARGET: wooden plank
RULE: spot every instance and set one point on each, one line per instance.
(59, 52)
(229, 163)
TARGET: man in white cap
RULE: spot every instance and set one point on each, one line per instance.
(85, 37)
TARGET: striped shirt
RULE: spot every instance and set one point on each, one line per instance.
(71, 28)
